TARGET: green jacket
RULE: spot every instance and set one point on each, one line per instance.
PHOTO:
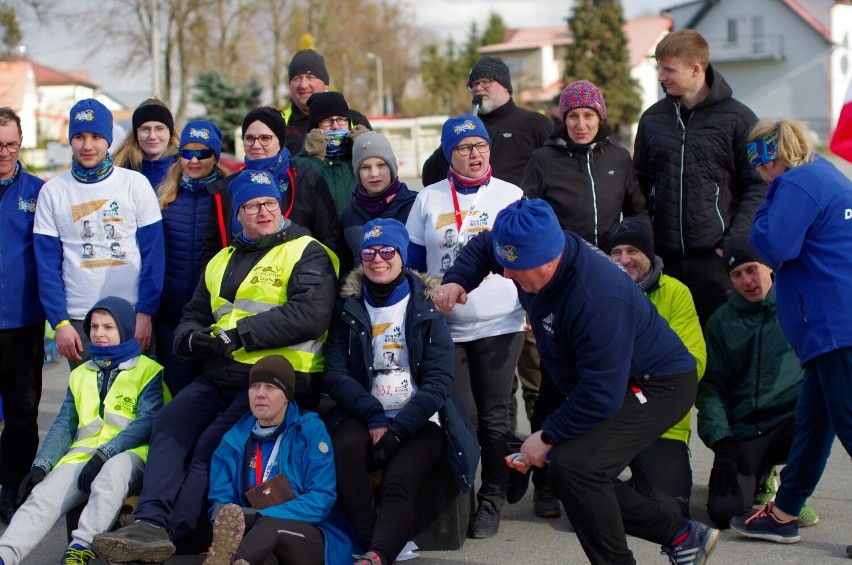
(753, 377)
(338, 175)
(674, 303)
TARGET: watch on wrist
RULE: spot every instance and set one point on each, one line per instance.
(546, 439)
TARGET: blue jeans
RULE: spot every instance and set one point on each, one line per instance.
(823, 410)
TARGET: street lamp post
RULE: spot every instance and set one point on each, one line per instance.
(380, 85)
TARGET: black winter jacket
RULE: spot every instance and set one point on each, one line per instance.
(515, 133)
(691, 165)
(588, 186)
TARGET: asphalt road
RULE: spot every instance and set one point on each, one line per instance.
(524, 538)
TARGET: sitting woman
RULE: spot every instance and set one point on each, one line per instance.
(389, 366)
(272, 481)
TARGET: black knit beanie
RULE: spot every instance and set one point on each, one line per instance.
(269, 116)
(308, 62)
(323, 105)
(633, 232)
(152, 110)
(738, 251)
(493, 68)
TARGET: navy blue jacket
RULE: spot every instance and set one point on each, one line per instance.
(155, 169)
(352, 219)
(348, 379)
(594, 330)
(19, 302)
(184, 222)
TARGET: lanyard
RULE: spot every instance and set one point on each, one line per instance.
(258, 459)
(461, 225)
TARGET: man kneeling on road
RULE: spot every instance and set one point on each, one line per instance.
(623, 374)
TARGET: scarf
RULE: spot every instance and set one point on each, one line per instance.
(93, 175)
(376, 205)
(388, 294)
(464, 184)
(198, 185)
(107, 357)
(5, 183)
(246, 240)
(277, 165)
(265, 434)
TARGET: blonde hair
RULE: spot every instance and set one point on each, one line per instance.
(167, 191)
(685, 44)
(129, 154)
(795, 147)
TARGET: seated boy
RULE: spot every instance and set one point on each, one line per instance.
(104, 424)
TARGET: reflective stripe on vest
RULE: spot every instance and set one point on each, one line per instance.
(119, 407)
(265, 288)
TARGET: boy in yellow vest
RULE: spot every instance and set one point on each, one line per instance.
(104, 424)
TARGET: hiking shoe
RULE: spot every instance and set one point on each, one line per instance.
(764, 525)
(807, 517)
(545, 504)
(694, 547)
(228, 529)
(766, 492)
(76, 554)
(486, 523)
(140, 541)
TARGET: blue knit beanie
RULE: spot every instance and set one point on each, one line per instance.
(203, 132)
(456, 129)
(387, 232)
(527, 235)
(250, 184)
(90, 116)
(122, 312)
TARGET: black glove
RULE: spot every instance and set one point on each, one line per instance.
(199, 342)
(90, 471)
(386, 448)
(226, 343)
(34, 477)
(726, 464)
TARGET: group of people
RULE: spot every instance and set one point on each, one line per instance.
(291, 350)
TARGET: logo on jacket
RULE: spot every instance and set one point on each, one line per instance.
(270, 275)
(202, 133)
(29, 204)
(507, 251)
(85, 116)
(848, 214)
(547, 324)
(466, 125)
(126, 404)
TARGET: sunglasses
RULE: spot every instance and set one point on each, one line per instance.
(199, 154)
(386, 253)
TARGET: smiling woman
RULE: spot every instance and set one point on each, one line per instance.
(151, 145)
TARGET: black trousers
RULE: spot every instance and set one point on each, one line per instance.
(484, 370)
(584, 472)
(21, 362)
(761, 454)
(387, 531)
(272, 541)
(705, 277)
(661, 472)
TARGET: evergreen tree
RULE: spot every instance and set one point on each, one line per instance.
(599, 53)
(226, 104)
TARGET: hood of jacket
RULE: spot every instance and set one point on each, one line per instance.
(353, 285)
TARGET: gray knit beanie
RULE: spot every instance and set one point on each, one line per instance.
(493, 68)
(372, 144)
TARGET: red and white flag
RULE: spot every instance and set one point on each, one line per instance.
(841, 141)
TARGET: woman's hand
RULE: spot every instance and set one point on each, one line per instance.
(377, 433)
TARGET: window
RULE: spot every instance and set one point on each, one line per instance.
(733, 35)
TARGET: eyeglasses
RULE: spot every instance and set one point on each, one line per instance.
(199, 154)
(12, 148)
(254, 208)
(369, 255)
(160, 131)
(467, 148)
(485, 83)
(340, 121)
(265, 140)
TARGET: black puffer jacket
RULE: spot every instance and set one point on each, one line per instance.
(691, 165)
(588, 186)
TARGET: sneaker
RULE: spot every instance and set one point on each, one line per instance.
(228, 529)
(140, 541)
(764, 525)
(695, 547)
(766, 492)
(807, 517)
(7, 504)
(370, 558)
(486, 523)
(76, 554)
(545, 504)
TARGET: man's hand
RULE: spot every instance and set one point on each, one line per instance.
(225, 343)
(386, 448)
(68, 343)
(535, 451)
(720, 252)
(90, 471)
(447, 296)
(200, 342)
(34, 477)
(726, 465)
(144, 329)
(316, 143)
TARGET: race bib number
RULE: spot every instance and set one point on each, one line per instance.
(392, 387)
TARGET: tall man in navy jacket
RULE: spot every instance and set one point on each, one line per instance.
(623, 377)
(21, 315)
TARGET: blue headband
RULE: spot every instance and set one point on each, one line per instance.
(761, 151)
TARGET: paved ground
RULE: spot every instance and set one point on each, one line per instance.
(524, 538)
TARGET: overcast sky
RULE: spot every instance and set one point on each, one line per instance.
(58, 45)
